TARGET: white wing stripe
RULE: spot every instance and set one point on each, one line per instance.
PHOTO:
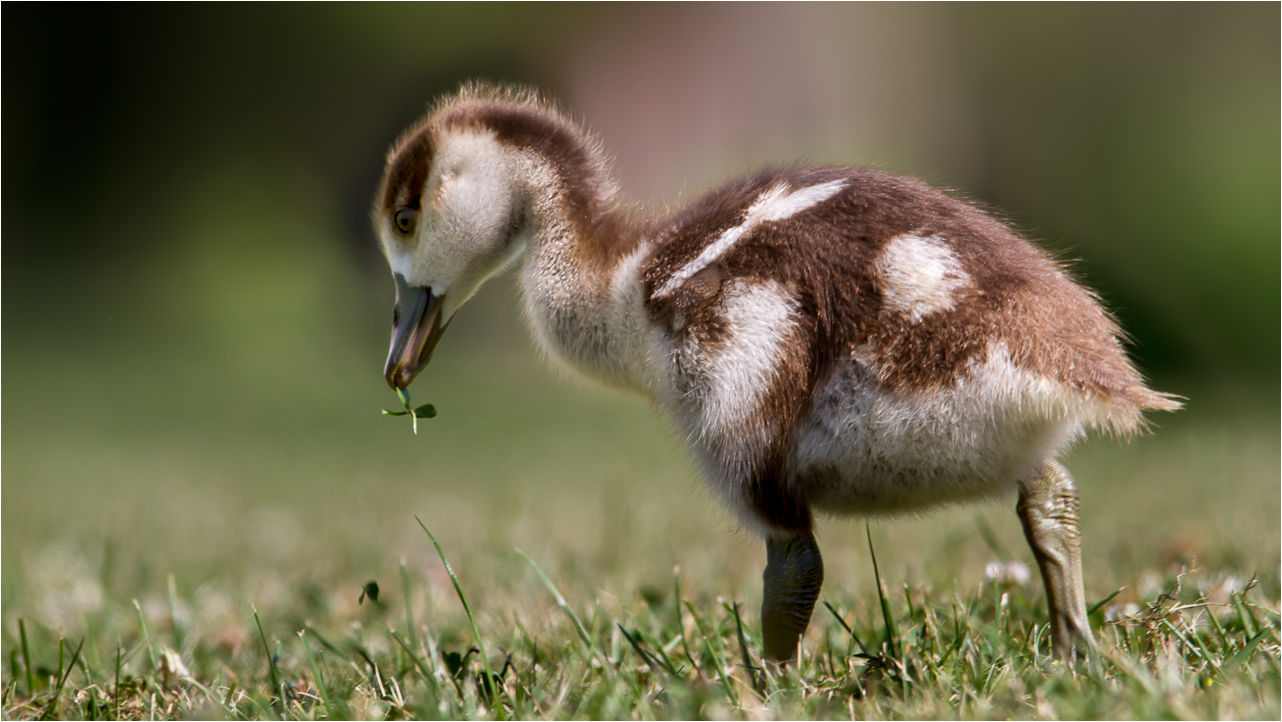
(776, 204)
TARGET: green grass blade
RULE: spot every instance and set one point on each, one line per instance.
(62, 678)
(471, 618)
(336, 708)
(1239, 603)
(146, 637)
(228, 712)
(180, 634)
(743, 650)
(565, 607)
(848, 628)
(681, 626)
(1189, 644)
(1243, 654)
(333, 648)
(373, 673)
(651, 660)
(1098, 605)
(716, 658)
(1219, 628)
(115, 692)
(410, 626)
(26, 657)
(271, 664)
(432, 680)
(892, 632)
(659, 654)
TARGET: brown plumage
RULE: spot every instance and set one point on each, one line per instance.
(825, 337)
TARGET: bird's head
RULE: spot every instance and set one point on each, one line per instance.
(449, 215)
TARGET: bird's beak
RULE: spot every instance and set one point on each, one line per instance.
(416, 329)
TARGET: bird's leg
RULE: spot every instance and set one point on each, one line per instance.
(1048, 508)
(794, 572)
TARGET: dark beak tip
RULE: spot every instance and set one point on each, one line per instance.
(403, 379)
(398, 377)
(418, 328)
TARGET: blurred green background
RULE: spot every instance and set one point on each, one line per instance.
(195, 312)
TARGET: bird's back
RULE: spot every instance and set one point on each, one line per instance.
(812, 307)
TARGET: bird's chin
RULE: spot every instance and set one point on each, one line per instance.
(419, 327)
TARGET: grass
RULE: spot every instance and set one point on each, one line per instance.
(1200, 648)
(188, 536)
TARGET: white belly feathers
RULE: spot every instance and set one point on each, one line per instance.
(865, 449)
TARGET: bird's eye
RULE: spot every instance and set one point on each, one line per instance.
(405, 220)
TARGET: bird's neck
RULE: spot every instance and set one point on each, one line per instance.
(581, 283)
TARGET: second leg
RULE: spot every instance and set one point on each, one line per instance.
(1049, 511)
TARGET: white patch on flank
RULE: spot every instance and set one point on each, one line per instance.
(775, 204)
(715, 392)
(919, 275)
(759, 319)
(866, 449)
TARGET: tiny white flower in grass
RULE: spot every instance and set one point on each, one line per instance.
(1007, 572)
(1114, 612)
(171, 665)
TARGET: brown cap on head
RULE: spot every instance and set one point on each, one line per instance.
(518, 117)
(408, 163)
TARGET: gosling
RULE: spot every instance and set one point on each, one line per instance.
(826, 338)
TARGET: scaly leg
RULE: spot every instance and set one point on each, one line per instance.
(794, 572)
(1048, 508)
